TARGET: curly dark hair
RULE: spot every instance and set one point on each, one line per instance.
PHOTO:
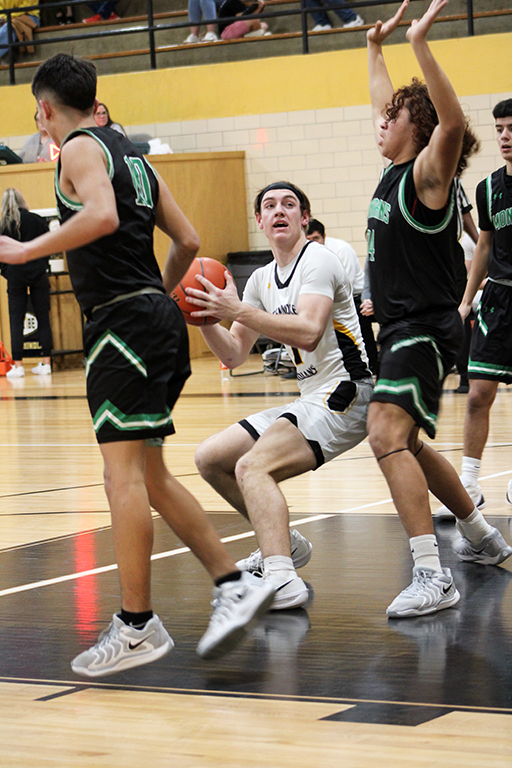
(424, 118)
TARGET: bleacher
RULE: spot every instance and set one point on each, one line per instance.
(124, 45)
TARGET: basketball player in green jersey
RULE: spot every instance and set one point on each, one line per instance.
(135, 339)
(412, 240)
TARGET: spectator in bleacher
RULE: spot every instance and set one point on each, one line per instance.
(246, 27)
(208, 10)
(36, 149)
(65, 16)
(321, 19)
(23, 24)
(103, 119)
(105, 11)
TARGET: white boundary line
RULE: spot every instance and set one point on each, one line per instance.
(183, 550)
(172, 552)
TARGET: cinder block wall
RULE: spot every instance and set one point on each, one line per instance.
(303, 118)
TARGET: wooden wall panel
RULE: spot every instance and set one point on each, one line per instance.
(209, 187)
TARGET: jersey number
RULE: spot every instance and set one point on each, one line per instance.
(140, 181)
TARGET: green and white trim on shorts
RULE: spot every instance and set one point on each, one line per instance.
(109, 337)
(123, 422)
(489, 369)
(423, 339)
(409, 386)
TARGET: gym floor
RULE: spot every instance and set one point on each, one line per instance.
(336, 683)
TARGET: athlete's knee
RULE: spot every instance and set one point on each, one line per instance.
(205, 461)
(481, 395)
(386, 437)
(249, 466)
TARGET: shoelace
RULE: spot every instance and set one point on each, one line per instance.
(254, 558)
(420, 579)
(222, 603)
(107, 634)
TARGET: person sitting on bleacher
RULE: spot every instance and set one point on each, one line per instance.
(246, 27)
(23, 24)
(105, 11)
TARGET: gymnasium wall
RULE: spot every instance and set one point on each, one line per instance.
(303, 118)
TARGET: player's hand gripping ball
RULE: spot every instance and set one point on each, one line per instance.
(213, 270)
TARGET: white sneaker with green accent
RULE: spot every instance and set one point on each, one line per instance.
(236, 606)
(492, 550)
(121, 646)
(429, 592)
(301, 550)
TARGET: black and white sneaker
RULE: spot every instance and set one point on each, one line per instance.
(290, 590)
(492, 550)
(121, 646)
(429, 592)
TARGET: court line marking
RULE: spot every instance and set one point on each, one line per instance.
(335, 700)
(171, 553)
(183, 550)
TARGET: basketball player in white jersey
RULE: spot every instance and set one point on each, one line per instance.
(302, 299)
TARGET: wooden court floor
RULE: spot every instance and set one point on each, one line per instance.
(336, 684)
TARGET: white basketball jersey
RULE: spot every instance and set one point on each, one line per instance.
(340, 354)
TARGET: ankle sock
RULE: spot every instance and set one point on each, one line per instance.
(136, 620)
(277, 563)
(470, 470)
(279, 566)
(474, 527)
(233, 576)
(425, 551)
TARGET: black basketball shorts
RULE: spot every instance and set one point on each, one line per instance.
(415, 357)
(137, 364)
(490, 355)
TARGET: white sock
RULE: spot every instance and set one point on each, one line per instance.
(474, 527)
(470, 470)
(425, 551)
(278, 565)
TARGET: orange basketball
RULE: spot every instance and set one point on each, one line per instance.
(213, 270)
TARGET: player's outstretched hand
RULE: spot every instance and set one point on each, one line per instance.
(217, 302)
(381, 30)
(420, 27)
(11, 251)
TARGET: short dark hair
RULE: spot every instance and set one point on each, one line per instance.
(301, 196)
(424, 119)
(316, 226)
(70, 79)
(503, 109)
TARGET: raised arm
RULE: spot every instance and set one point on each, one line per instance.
(437, 163)
(381, 87)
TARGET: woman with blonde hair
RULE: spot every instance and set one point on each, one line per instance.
(18, 222)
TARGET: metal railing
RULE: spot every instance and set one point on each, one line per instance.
(151, 28)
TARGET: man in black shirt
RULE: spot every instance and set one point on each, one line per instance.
(491, 348)
(136, 343)
(412, 241)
